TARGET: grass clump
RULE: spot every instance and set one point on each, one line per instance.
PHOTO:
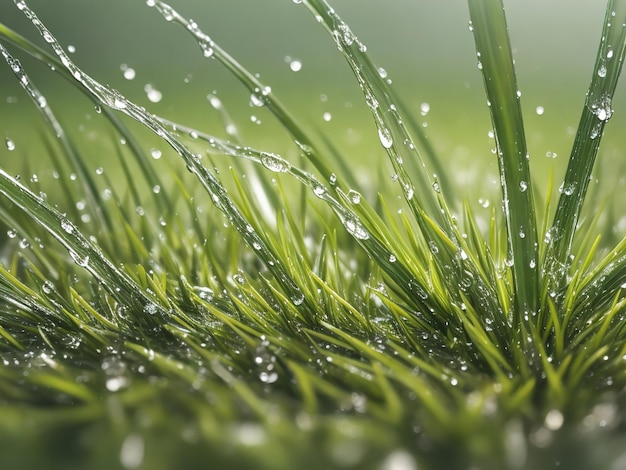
(265, 313)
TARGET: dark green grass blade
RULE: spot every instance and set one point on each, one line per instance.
(496, 64)
(596, 113)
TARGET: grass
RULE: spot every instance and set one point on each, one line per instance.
(261, 312)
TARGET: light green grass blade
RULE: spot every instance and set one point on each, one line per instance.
(496, 64)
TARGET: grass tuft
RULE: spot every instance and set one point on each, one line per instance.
(271, 313)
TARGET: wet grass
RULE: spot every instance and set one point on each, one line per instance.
(270, 312)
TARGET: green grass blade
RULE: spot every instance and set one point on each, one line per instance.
(496, 64)
(596, 113)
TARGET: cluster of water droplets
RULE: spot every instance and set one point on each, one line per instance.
(265, 362)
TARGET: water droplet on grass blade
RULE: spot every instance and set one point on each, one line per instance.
(67, 226)
(275, 163)
(79, 260)
(356, 229)
(9, 144)
(385, 137)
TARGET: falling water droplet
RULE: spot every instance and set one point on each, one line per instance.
(295, 65)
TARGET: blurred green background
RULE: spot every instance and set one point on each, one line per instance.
(425, 46)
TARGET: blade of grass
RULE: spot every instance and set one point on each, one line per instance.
(595, 114)
(496, 64)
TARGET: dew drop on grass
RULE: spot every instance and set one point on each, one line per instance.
(385, 137)
(47, 287)
(355, 229)
(9, 144)
(150, 308)
(298, 299)
(523, 186)
(539, 110)
(392, 258)
(156, 153)
(204, 293)
(12, 233)
(79, 260)
(67, 226)
(327, 117)
(275, 163)
(207, 48)
(354, 196)
(319, 191)
(424, 109)
(256, 101)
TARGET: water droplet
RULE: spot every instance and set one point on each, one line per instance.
(256, 101)
(602, 71)
(79, 260)
(151, 308)
(156, 153)
(12, 233)
(551, 154)
(332, 179)
(523, 186)
(424, 109)
(354, 196)
(295, 65)
(47, 287)
(152, 93)
(356, 229)
(132, 451)
(484, 202)
(128, 72)
(319, 191)
(385, 137)
(71, 49)
(116, 373)
(554, 420)
(392, 258)
(10, 144)
(275, 163)
(327, 117)
(298, 299)
(539, 110)
(207, 48)
(67, 226)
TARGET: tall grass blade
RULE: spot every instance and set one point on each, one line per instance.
(496, 64)
(596, 113)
